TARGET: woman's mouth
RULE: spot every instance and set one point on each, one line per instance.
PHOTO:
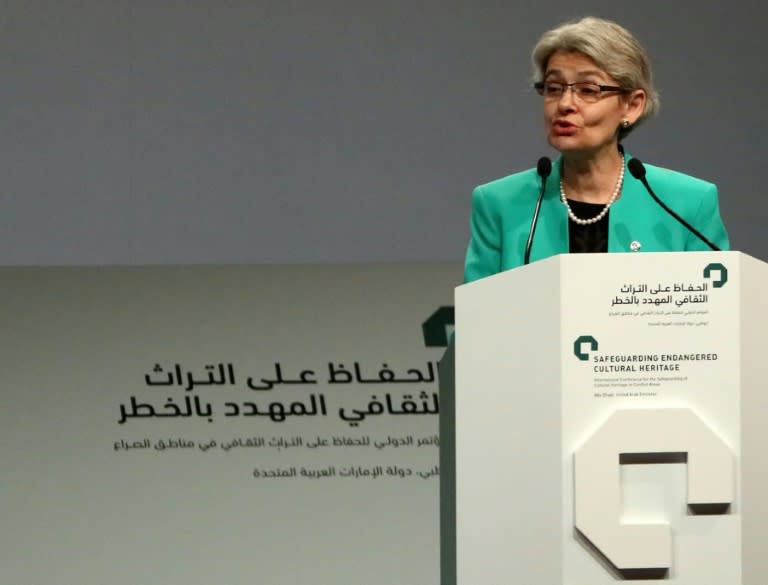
(564, 128)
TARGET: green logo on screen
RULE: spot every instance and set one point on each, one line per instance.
(438, 327)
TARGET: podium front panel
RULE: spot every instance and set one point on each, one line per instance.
(600, 398)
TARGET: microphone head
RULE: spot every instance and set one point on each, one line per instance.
(637, 168)
(544, 167)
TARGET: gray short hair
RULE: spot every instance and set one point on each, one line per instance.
(611, 46)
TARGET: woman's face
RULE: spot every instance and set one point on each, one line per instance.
(581, 128)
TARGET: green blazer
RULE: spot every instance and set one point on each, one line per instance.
(502, 212)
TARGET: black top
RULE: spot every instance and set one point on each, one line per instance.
(587, 238)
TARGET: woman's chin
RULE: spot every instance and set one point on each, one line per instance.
(566, 144)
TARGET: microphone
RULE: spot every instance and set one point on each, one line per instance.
(638, 172)
(543, 168)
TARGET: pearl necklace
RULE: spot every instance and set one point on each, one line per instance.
(600, 215)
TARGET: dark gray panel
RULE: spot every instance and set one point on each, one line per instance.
(242, 131)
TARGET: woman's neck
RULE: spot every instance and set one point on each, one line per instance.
(591, 179)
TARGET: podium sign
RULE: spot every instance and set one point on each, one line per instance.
(610, 412)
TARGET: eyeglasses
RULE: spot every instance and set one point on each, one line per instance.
(584, 90)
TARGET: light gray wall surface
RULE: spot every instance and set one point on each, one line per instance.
(328, 131)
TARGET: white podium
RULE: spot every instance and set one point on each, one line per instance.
(611, 412)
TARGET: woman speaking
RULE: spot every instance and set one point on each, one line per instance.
(596, 84)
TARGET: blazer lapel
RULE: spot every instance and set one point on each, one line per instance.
(629, 228)
(552, 229)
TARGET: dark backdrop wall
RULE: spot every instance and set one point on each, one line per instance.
(328, 130)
